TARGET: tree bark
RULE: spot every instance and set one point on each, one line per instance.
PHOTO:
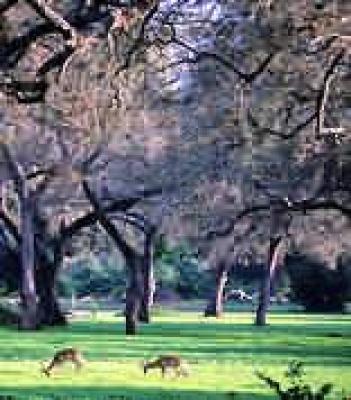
(29, 314)
(266, 282)
(148, 280)
(50, 313)
(134, 294)
(49, 249)
(29, 310)
(53, 17)
(215, 305)
(133, 264)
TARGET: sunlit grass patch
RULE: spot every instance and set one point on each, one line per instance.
(223, 356)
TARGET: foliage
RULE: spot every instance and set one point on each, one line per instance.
(344, 266)
(297, 388)
(177, 268)
(99, 276)
(315, 285)
(8, 316)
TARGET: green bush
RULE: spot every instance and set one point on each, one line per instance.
(344, 266)
(315, 286)
(93, 277)
(179, 270)
(294, 385)
(8, 315)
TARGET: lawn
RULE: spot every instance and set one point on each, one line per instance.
(223, 355)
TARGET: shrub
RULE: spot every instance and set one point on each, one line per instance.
(8, 316)
(178, 270)
(294, 386)
(344, 266)
(315, 286)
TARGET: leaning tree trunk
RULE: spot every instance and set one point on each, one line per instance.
(215, 304)
(134, 294)
(133, 263)
(148, 280)
(266, 282)
(29, 314)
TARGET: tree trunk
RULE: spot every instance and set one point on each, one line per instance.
(133, 264)
(148, 280)
(50, 257)
(215, 305)
(266, 282)
(147, 300)
(50, 313)
(29, 311)
(263, 300)
(134, 294)
(29, 314)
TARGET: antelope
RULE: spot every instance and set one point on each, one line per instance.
(167, 362)
(67, 354)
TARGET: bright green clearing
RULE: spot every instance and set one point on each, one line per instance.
(223, 356)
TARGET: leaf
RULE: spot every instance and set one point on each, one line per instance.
(275, 385)
(323, 391)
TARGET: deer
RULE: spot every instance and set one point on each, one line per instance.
(67, 354)
(165, 362)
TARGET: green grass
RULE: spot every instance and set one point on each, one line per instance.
(223, 355)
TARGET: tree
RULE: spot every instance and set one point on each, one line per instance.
(29, 314)
(265, 286)
(282, 146)
(215, 305)
(134, 263)
(149, 284)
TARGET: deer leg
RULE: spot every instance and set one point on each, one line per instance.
(78, 365)
(47, 370)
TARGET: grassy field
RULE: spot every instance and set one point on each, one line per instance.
(223, 356)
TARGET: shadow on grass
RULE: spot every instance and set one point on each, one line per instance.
(206, 330)
(326, 342)
(126, 393)
(303, 325)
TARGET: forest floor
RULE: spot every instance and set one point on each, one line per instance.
(223, 356)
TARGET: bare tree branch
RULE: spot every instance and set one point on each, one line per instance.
(201, 55)
(55, 19)
(110, 228)
(119, 205)
(261, 130)
(322, 92)
(302, 206)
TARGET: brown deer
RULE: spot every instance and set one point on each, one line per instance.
(68, 354)
(167, 362)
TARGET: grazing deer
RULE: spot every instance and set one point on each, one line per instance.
(167, 362)
(67, 354)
